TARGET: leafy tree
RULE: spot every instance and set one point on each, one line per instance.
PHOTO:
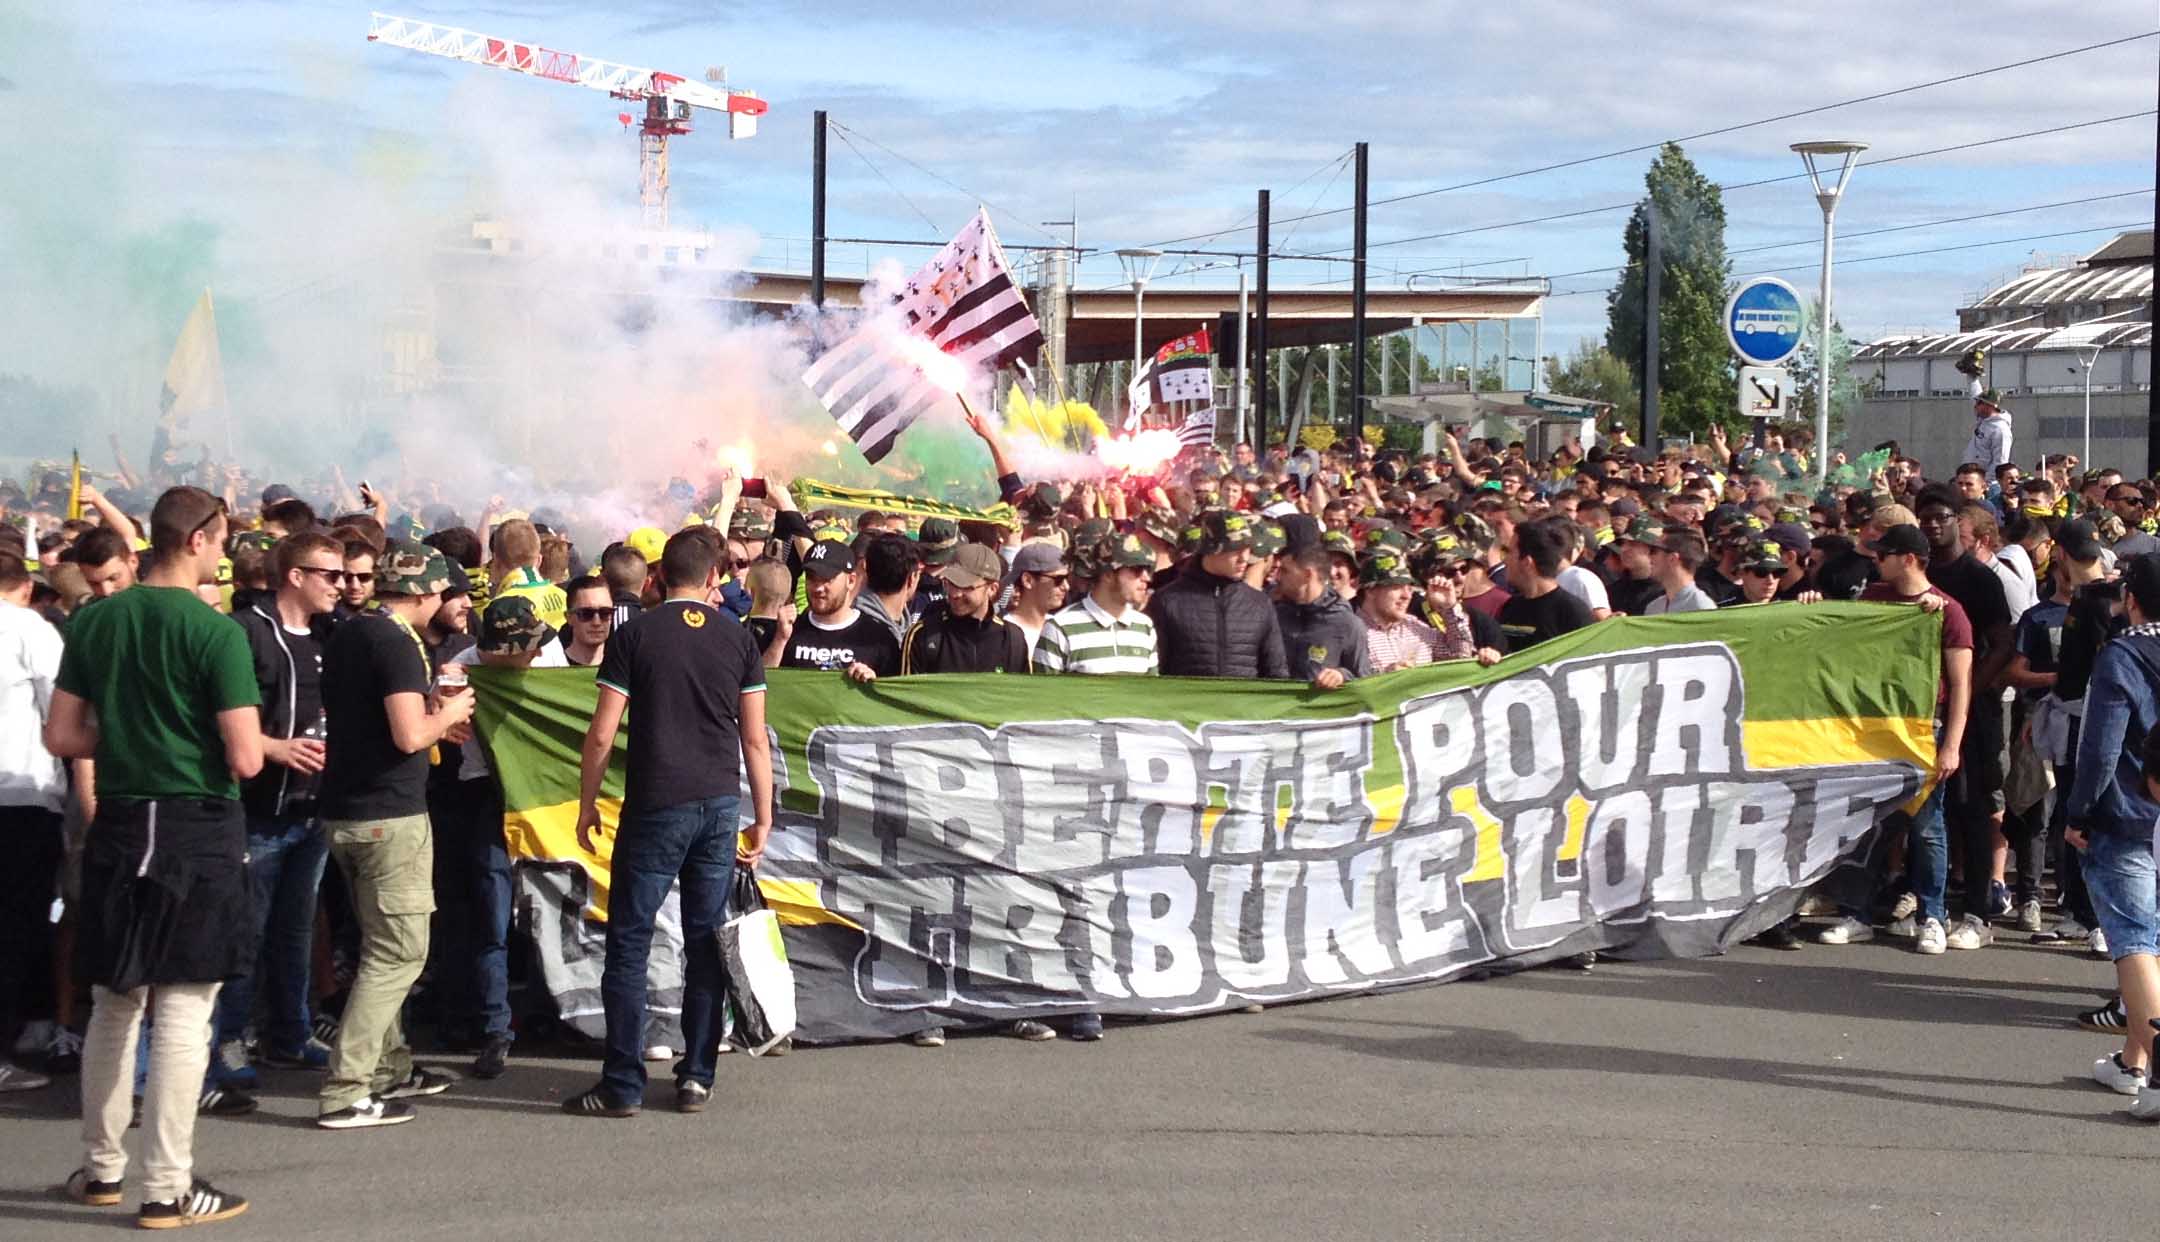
(1595, 373)
(1694, 361)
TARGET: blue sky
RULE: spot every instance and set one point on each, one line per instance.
(1154, 121)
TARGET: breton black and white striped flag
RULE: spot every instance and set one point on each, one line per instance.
(1199, 429)
(964, 303)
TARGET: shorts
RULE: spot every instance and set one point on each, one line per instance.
(2119, 874)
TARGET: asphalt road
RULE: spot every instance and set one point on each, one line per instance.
(1861, 1092)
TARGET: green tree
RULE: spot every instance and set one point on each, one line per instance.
(1595, 373)
(1694, 363)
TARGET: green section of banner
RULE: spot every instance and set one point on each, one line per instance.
(1839, 663)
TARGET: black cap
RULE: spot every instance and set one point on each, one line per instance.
(2141, 580)
(1300, 531)
(829, 558)
(276, 492)
(1906, 540)
(2078, 540)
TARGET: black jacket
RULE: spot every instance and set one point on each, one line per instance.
(943, 643)
(1323, 634)
(277, 789)
(1207, 626)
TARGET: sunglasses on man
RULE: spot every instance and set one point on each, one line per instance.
(592, 614)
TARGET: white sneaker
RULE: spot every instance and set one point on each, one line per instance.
(1903, 928)
(1932, 938)
(2147, 1105)
(16, 1078)
(1972, 932)
(1906, 906)
(2028, 917)
(659, 1052)
(34, 1038)
(2110, 1072)
(2098, 943)
(1847, 930)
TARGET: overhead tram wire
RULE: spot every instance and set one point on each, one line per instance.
(1749, 185)
(842, 131)
(1340, 164)
(947, 182)
(1877, 258)
(1838, 261)
(1244, 221)
(1711, 133)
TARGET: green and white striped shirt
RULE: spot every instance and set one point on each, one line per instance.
(1084, 638)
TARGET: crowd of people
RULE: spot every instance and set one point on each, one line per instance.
(206, 701)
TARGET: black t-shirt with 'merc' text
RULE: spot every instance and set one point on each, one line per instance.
(684, 666)
(865, 640)
(371, 655)
(1527, 621)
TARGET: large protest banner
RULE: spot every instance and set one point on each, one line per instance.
(967, 849)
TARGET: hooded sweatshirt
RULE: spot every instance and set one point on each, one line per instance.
(1325, 633)
(2121, 707)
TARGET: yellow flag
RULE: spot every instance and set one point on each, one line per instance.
(195, 377)
(74, 509)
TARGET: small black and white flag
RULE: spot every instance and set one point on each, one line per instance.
(964, 304)
(1199, 429)
(1178, 372)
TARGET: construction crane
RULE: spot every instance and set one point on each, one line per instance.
(668, 97)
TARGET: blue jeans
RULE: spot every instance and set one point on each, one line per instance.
(285, 863)
(473, 875)
(696, 842)
(1927, 856)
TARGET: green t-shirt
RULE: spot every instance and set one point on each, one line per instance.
(158, 665)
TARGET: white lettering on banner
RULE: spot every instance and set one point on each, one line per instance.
(1078, 864)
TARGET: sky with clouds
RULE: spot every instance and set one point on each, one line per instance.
(1152, 121)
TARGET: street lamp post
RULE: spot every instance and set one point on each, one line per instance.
(1139, 265)
(1827, 197)
(2086, 360)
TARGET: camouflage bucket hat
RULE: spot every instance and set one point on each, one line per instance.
(1268, 539)
(1224, 531)
(1437, 551)
(1123, 552)
(1644, 529)
(938, 540)
(1386, 568)
(750, 523)
(1160, 524)
(1339, 544)
(408, 568)
(1092, 532)
(510, 626)
(1473, 530)
(1383, 536)
(1764, 554)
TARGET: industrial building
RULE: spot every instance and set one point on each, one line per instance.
(2069, 346)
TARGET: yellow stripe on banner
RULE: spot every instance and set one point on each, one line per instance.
(1578, 826)
(1490, 862)
(1774, 744)
(549, 834)
(1387, 805)
(796, 904)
